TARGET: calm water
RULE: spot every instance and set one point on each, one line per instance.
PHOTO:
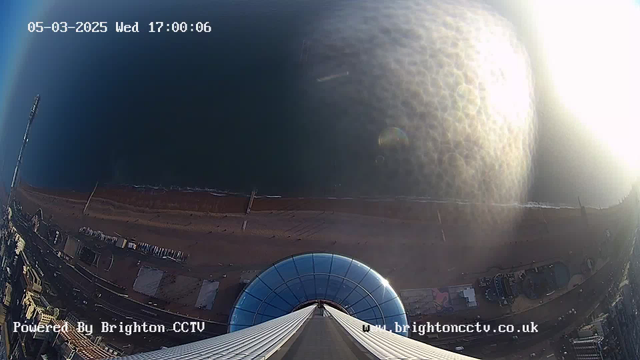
(242, 106)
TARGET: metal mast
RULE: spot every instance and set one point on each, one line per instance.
(16, 172)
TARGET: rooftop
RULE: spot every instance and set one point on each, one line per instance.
(81, 343)
(315, 332)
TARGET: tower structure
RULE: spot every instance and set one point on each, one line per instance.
(317, 331)
(16, 172)
(313, 306)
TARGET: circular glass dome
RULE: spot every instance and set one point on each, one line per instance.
(337, 280)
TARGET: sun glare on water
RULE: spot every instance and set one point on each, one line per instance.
(593, 53)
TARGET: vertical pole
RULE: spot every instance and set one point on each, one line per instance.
(16, 171)
(86, 206)
(253, 195)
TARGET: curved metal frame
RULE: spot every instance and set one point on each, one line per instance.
(344, 278)
(313, 274)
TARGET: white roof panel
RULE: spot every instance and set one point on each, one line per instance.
(387, 345)
(256, 342)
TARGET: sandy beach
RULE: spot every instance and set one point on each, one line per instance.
(402, 240)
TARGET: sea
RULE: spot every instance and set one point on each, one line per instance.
(277, 95)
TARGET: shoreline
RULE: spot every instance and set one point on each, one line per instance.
(427, 199)
(150, 199)
(156, 190)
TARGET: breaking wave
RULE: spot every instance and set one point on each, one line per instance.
(222, 193)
